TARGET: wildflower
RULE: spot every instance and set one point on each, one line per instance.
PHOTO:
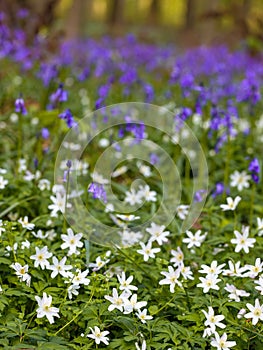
(254, 270)
(147, 194)
(147, 251)
(45, 308)
(259, 286)
(209, 282)
(98, 263)
(21, 272)
(80, 278)
(242, 241)
(98, 191)
(2, 229)
(254, 168)
(132, 197)
(40, 234)
(3, 182)
(68, 117)
(194, 240)
(59, 267)
(213, 269)
(221, 343)
(41, 257)
(99, 336)
(157, 233)
(178, 257)
(117, 302)
(71, 241)
(212, 320)
(186, 272)
(59, 96)
(171, 278)
(44, 184)
(240, 180)
(260, 226)
(125, 284)
(235, 269)
(143, 347)
(127, 217)
(20, 106)
(25, 244)
(235, 293)
(25, 224)
(182, 211)
(256, 312)
(133, 304)
(142, 315)
(73, 290)
(231, 204)
(59, 204)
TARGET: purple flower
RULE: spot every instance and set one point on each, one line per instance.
(59, 96)
(45, 133)
(20, 106)
(254, 167)
(67, 115)
(218, 190)
(200, 195)
(98, 191)
(154, 159)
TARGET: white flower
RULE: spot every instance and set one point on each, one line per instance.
(142, 315)
(40, 234)
(212, 320)
(260, 284)
(41, 257)
(194, 240)
(147, 194)
(59, 204)
(117, 302)
(235, 293)
(213, 269)
(125, 284)
(25, 244)
(121, 170)
(21, 272)
(71, 241)
(235, 269)
(2, 229)
(221, 343)
(73, 290)
(99, 336)
(99, 263)
(254, 270)
(59, 267)
(129, 237)
(80, 277)
(260, 226)
(3, 182)
(171, 278)
(186, 272)
(182, 211)
(25, 224)
(240, 180)
(45, 308)
(109, 208)
(133, 304)
(209, 282)
(242, 241)
(231, 204)
(98, 178)
(147, 251)
(256, 312)
(157, 233)
(22, 165)
(144, 345)
(132, 197)
(145, 170)
(127, 217)
(44, 184)
(178, 257)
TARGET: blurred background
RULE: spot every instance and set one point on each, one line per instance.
(186, 22)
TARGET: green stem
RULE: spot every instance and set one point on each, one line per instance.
(252, 199)
(164, 306)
